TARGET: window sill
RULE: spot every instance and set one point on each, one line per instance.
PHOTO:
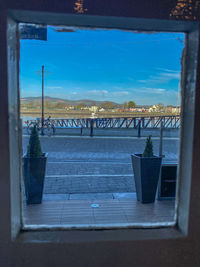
(84, 236)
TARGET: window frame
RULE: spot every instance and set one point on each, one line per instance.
(187, 125)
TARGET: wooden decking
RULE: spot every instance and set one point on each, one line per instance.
(96, 213)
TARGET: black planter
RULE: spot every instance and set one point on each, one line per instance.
(33, 175)
(146, 173)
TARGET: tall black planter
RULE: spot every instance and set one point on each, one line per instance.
(146, 173)
(33, 175)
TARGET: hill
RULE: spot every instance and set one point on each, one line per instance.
(86, 102)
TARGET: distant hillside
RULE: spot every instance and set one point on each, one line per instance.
(87, 102)
(38, 98)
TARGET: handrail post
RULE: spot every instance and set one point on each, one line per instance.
(161, 140)
(91, 127)
(139, 128)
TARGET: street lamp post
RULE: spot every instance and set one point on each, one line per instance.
(39, 72)
(42, 130)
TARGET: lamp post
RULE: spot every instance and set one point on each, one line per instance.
(43, 72)
(42, 119)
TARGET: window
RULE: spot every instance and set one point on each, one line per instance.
(188, 105)
(91, 76)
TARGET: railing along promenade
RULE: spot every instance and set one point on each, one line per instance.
(169, 121)
(145, 124)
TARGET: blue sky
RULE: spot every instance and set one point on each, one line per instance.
(108, 65)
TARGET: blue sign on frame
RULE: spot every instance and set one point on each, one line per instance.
(30, 31)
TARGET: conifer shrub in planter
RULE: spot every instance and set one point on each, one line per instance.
(146, 169)
(34, 166)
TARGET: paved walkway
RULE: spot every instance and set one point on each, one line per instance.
(89, 184)
(95, 165)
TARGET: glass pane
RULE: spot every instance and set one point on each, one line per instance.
(104, 92)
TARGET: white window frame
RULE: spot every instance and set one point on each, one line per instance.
(187, 126)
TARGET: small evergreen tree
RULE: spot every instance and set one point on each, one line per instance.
(148, 151)
(34, 148)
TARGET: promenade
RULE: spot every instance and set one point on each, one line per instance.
(90, 184)
(97, 165)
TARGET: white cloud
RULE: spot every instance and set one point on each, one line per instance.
(167, 70)
(172, 75)
(164, 76)
(98, 92)
(107, 94)
(152, 90)
(147, 90)
(54, 87)
(120, 93)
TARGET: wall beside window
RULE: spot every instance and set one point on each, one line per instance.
(92, 248)
(173, 9)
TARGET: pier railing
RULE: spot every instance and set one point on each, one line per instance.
(170, 121)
